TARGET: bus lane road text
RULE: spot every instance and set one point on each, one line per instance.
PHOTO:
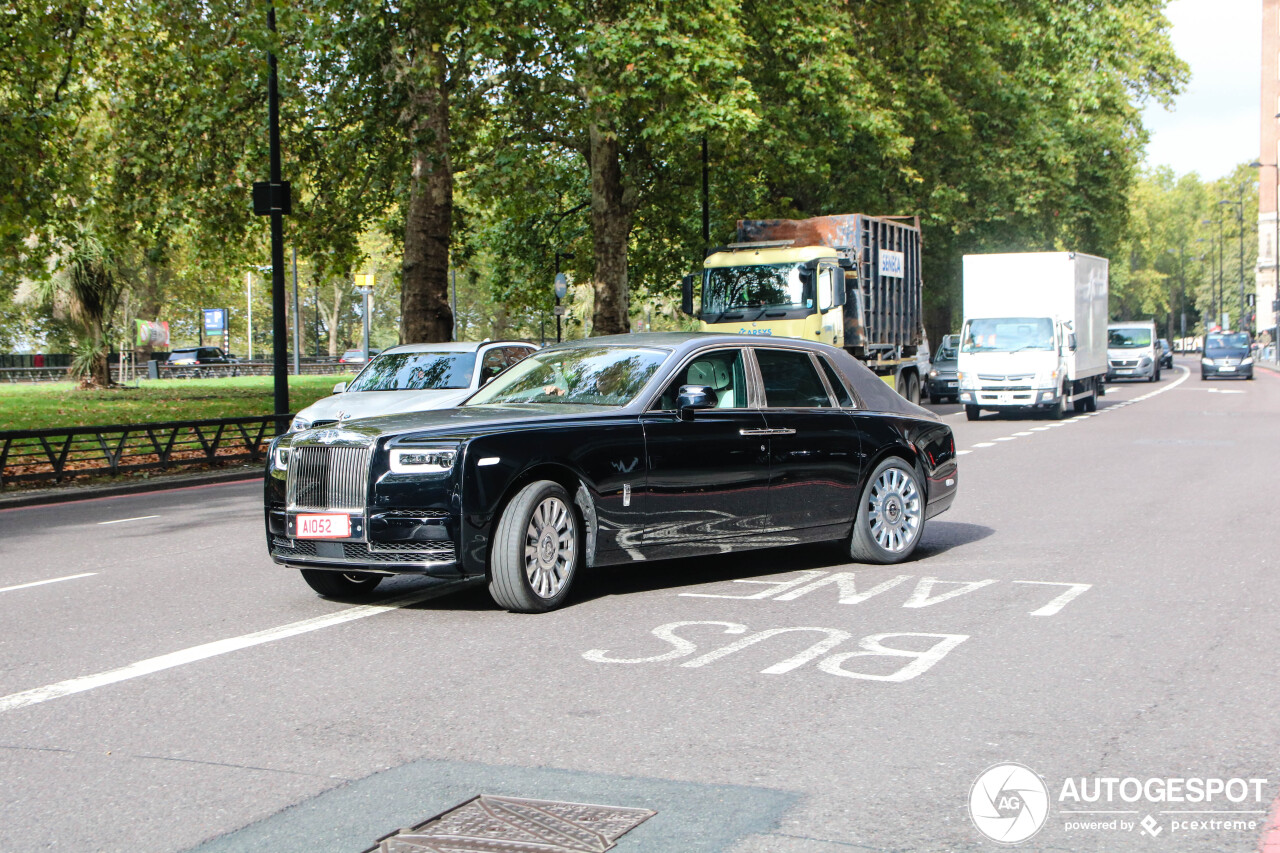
(887, 657)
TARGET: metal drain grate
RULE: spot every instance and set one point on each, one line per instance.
(511, 825)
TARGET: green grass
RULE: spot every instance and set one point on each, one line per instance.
(59, 404)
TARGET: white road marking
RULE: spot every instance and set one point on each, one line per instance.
(1022, 433)
(218, 647)
(1038, 429)
(51, 580)
(984, 444)
(123, 520)
(1005, 438)
(962, 452)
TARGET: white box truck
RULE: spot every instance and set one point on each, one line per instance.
(1034, 334)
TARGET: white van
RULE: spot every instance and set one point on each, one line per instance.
(1133, 351)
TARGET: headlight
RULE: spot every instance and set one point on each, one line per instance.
(1207, 362)
(1246, 361)
(281, 457)
(299, 424)
(933, 374)
(425, 461)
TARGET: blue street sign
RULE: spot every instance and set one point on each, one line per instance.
(215, 321)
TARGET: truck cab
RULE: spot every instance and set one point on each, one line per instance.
(768, 289)
(851, 281)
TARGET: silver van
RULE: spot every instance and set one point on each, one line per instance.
(1133, 351)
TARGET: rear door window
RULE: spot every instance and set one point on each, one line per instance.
(791, 381)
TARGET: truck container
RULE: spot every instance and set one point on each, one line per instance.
(849, 280)
(1035, 332)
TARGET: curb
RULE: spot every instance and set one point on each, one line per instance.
(68, 494)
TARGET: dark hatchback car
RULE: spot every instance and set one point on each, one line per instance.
(199, 355)
(610, 451)
(1227, 354)
(943, 383)
(1166, 354)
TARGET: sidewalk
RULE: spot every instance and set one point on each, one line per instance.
(14, 499)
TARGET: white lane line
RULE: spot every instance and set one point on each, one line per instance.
(51, 580)
(123, 520)
(218, 647)
(1038, 429)
(962, 452)
(1005, 438)
(984, 444)
(1022, 433)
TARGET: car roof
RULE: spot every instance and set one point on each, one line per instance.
(455, 346)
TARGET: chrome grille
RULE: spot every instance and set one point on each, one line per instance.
(1000, 377)
(327, 477)
(363, 553)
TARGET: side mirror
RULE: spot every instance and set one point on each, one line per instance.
(686, 294)
(340, 387)
(1071, 342)
(692, 398)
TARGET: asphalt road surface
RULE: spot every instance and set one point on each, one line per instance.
(1100, 604)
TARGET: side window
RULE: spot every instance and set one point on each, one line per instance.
(724, 371)
(843, 397)
(790, 380)
(493, 363)
(515, 354)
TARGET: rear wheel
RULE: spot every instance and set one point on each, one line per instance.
(1091, 404)
(913, 389)
(890, 516)
(971, 412)
(345, 586)
(535, 549)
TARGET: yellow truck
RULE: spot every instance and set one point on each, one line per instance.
(850, 280)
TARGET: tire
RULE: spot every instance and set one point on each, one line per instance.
(536, 549)
(1204, 377)
(1091, 404)
(1059, 410)
(344, 586)
(890, 518)
(1155, 375)
(913, 389)
(971, 412)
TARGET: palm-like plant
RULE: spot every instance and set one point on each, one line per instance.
(89, 287)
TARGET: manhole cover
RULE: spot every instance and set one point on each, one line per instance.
(509, 825)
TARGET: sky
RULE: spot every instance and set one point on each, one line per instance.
(1214, 124)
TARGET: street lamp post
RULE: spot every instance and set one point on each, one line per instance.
(1240, 222)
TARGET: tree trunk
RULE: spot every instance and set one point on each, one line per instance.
(611, 211)
(425, 316)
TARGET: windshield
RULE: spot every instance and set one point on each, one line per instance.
(762, 286)
(1008, 334)
(1128, 338)
(945, 353)
(1229, 340)
(416, 371)
(595, 376)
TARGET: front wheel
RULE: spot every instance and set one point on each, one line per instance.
(890, 517)
(1059, 410)
(344, 586)
(535, 550)
(971, 413)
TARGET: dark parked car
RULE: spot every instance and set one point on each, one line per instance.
(356, 356)
(1227, 354)
(1166, 354)
(613, 450)
(199, 355)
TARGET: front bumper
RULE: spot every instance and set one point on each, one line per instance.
(390, 543)
(1011, 398)
(943, 386)
(1134, 372)
(1224, 371)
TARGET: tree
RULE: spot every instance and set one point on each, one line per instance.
(89, 288)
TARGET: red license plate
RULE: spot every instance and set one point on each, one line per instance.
(323, 526)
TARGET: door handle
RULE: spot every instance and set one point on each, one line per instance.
(753, 432)
(782, 431)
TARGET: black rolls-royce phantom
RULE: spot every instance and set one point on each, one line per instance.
(613, 450)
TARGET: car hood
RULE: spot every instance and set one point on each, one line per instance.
(945, 366)
(445, 423)
(368, 404)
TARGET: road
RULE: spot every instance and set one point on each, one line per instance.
(1100, 603)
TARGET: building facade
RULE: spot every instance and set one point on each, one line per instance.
(1269, 173)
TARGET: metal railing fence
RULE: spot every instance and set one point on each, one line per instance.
(61, 454)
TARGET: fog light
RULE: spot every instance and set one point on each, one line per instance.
(1046, 396)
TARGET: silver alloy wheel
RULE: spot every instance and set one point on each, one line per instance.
(550, 547)
(895, 512)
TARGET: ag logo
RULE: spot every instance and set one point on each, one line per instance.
(1009, 803)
